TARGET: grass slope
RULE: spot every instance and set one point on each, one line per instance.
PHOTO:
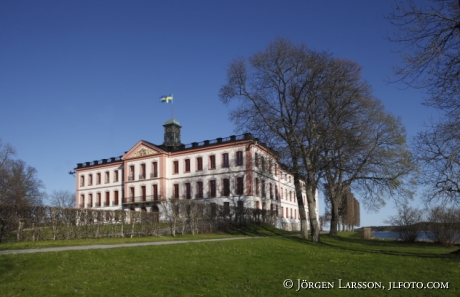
(254, 267)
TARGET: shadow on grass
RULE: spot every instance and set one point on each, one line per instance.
(395, 248)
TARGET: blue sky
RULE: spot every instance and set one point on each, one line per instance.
(81, 80)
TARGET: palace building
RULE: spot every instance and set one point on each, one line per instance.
(233, 171)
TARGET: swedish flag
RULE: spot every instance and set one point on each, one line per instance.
(166, 98)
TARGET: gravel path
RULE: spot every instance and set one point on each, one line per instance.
(110, 246)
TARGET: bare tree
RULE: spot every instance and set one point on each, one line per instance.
(438, 151)
(320, 113)
(6, 152)
(273, 87)
(429, 34)
(325, 219)
(62, 198)
(408, 222)
(444, 225)
(366, 148)
(19, 185)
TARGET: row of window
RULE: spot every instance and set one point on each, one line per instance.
(87, 202)
(290, 213)
(225, 162)
(285, 211)
(143, 171)
(99, 178)
(196, 190)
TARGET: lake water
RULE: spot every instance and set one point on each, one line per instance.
(395, 235)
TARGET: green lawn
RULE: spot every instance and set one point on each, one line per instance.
(251, 267)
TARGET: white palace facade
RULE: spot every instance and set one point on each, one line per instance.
(232, 171)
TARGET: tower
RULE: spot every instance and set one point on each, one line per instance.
(172, 133)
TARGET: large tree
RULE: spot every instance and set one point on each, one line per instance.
(19, 184)
(430, 35)
(366, 150)
(273, 88)
(320, 112)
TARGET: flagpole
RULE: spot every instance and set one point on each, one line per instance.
(172, 106)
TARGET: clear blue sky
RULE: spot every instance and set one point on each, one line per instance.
(81, 80)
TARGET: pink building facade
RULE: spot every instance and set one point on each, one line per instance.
(233, 171)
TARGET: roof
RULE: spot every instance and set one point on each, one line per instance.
(172, 121)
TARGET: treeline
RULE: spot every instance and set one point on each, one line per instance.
(441, 224)
(33, 223)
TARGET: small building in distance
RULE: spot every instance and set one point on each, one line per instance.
(233, 171)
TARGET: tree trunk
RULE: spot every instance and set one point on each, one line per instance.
(334, 217)
(302, 212)
(311, 200)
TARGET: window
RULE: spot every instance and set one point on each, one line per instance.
(239, 186)
(271, 191)
(225, 162)
(90, 182)
(144, 193)
(142, 175)
(82, 201)
(199, 164)
(290, 195)
(240, 205)
(90, 200)
(257, 205)
(212, 162)
(226, 208)
(262, 159)
(188, 191)
(107, 199)
(154, 170)
(107, 177)
(264, 206)
(176, 166)
(282, 212)
(256, 160)
(212, 188)
(98, 200)
(115, 175)
(263, 188)
(176, 191)
(115, 200)
(131, 172)
(155, 192)
(132, 192)
(187, 165)
(257, 186)
(98, 178)
(82, 181)
(276, 209)
(199, 189)
(226, 187)
(239, 158)
(276, 193)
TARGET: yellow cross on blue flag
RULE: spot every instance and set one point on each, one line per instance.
(166, 98)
